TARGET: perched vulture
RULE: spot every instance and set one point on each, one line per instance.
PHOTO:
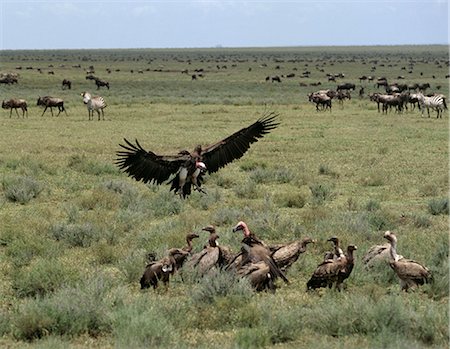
(181, 257)
(410, 273)
(161, 270)
(188, 168)
(287, 254)
(254, 251)
(332, 271)
(376, 254)
(208, 258)
(338, 253)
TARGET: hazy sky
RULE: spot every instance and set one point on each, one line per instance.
(162, 24)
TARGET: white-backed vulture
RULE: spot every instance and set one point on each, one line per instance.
(188, 168)
(376, 254)
(411, 273)
(160, 270)
(254, 251)
(332, 271)
(208, 258)
(287, 254)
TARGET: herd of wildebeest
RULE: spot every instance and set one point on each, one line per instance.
(395, 95)
(260, 263)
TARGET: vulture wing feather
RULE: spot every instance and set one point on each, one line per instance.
(233, 147)
(146, 165)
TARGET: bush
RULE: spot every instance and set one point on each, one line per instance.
(21, 189)
(42, 277)
(320, 193)
(438, 206)
(76, 235)
(71, 311)
(291, 199)
(220, 284)
(143, 324)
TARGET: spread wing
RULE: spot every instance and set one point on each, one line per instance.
(146, 165)
(218, 155)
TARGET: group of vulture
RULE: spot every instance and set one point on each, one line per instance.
(263, 264)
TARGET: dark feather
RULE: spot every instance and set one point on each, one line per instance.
(147, 166)
(218, 155)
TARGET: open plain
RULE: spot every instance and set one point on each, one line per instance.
(75, 231)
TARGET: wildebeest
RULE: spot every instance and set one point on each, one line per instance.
(15, 103)
(8, 78)
(66, 84)
(101, 83)
(346, 86)
(50, 102)
(320, 99)
(96, 103)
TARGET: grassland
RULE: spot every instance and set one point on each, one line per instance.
(74, 231)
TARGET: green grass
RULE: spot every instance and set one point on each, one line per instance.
(75, 231)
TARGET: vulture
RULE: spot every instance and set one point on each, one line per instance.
(258, 275)
(338, 253)
(161, 270)
(376, 253)
(254, 251)
(410, 273)
(181, 257)
(225, 252)
(287, 254)
(188, 168)
(332, 271)
(208, 258)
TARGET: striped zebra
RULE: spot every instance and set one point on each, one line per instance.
(436, 102)
(96, 103)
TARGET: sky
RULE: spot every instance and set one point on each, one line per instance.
(89, 24)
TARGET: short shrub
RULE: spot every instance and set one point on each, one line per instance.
(165, 203)
(220, 284)
(42, 277)
(76, 235)
(247, 190)
(421, 221)
(372, 205)
(291, 199)
(82, 164)
(252, 337)
(70, 311)
(144, 323)
(132, 265)
(21, 189)
(320, 193)
(438, 206)
(325, 170)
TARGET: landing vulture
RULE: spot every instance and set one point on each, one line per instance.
(188, 168)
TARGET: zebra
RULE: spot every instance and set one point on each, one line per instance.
(436, 102)
(15, 103)
(50, 102)
(96, 103)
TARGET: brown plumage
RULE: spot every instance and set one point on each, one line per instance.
(258, 275)
(333, 271)
(187, 167)
(208, 258)
(376, 254)
(160, 270)
(287, 254)
(180, 258)
(254, 251)
(411, 273)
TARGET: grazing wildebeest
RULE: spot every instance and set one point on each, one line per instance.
(347, 86)
(423, 86)
(90, 77)
(96, 103)
(320, 99)
(382, 82)
(342, 95)
(276, 78)
(101, 83)
(15, 103)
(66, 84)
(9, 78)
(50, 102)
